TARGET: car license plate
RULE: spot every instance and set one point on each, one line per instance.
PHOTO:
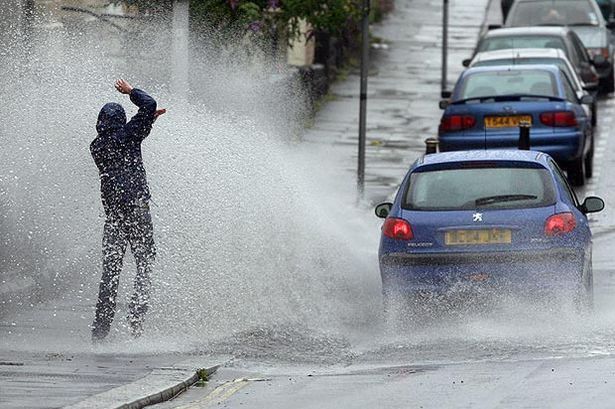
(506, 121)
(492, 236)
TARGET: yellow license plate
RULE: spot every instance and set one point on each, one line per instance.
(492, 236)
(506, 121)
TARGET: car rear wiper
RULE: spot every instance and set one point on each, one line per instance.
(581, 24)
(509, 97)
(502, 198)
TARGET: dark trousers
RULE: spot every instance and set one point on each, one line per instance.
(125, 225)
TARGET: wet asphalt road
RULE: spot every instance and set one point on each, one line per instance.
(521, 357)
(525, 357)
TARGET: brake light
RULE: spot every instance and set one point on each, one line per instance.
(451, 123)
(559, 118)
(398, 229)
(560, 224)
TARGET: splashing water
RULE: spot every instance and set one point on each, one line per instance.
(260, 245)
(253, 229)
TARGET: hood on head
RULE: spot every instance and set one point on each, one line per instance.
(111, 117)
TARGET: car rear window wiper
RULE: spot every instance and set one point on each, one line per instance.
(581, 24)
(510, 97)
(503, 198)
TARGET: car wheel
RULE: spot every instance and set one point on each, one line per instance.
(589, 161)
(584, 298)
(576, 172)
(401, 312)
(609, 83)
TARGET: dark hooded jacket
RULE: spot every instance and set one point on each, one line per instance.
(117, 152)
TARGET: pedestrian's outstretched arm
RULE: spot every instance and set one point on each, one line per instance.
(139, 125)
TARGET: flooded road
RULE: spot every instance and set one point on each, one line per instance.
(263, 253)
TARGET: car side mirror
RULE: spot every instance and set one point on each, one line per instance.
(466, 63)
(610, 25)
(587, 99)
(383, 209)
(493, 26)
(443, 104)
(599, 60)
(592, 204)
(446, 94)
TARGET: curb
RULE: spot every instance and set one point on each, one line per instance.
(161, 385)
(170, 392)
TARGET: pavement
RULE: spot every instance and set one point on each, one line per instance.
(46, 362)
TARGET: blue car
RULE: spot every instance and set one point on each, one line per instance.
(489, 103)
(490, 219)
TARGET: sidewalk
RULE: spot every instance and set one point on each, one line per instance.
(404, 89)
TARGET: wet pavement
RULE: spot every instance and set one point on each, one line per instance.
(324, 346)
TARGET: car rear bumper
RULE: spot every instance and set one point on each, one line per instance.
(541, 269)
(563, 145)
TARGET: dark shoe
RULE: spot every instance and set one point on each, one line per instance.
(99, 334)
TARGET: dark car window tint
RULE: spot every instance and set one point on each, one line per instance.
(483, 187)
(553, 13)
(526, 61)
(494, 83)
(521, 41)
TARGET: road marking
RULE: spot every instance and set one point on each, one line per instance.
(220, 394)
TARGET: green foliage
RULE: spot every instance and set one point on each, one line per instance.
(203, 378)
(281, 16)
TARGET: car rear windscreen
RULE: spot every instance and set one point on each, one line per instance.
(553, 13)
(521, 41)
(508, 82)
(479, 187)
(559, 63)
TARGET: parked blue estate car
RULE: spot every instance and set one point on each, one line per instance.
(492, 219)
(489, 103)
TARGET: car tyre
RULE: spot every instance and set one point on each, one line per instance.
(584, 300)
(589, 161)
(576, 172)
(609, 83)
(401, 312)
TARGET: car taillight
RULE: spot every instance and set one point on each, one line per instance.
(559, 224)
(457, 123)
(397, 229)
(559, 118)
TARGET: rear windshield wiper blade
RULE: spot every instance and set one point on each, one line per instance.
(580, 24)
(509, 97)
(503, 198)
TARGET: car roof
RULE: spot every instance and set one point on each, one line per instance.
(526, 67)
(520, 53)
(527, 31)
(504, 155)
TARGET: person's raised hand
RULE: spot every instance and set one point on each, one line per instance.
(159, 112)
(123, 86)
